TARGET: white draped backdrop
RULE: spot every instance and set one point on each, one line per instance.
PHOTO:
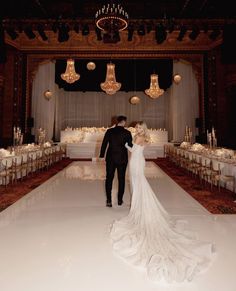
(175, 109)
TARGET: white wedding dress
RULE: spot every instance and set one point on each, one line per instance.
(148, 237)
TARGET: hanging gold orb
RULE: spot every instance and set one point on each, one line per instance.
(48, 94)
(91, 66)
(177, 78)
(134, 100)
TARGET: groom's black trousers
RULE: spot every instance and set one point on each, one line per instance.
(111, 167)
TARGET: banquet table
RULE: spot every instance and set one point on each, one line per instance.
(227, 164)
(24, 153)
(86, 142)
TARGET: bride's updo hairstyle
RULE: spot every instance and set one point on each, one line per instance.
(145, 132)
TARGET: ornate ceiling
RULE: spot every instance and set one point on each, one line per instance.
(163, 25)
(137, 9)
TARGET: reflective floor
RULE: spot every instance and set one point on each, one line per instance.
(56, 238)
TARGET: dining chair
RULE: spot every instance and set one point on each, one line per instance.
(219, 175)
(6, 172)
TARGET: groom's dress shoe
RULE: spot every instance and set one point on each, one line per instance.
(120, 203)
(108, 204)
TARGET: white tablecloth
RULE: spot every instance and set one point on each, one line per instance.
(86, 142)
(228, 165)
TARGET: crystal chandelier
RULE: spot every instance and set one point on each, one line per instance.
(111, 17)
(154, 91)
(70, 75)
(110, 86)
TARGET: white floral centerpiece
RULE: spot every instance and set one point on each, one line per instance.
(47, 144)
(96, 134)
(185, 145)
(224, 153)
(197, 147)
(4, 153)
(29, 147)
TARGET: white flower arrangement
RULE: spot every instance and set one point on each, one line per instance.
(4, 153)
(224, 153)
(47, 144)
(185, 145)
(197, 147)
(84, 134)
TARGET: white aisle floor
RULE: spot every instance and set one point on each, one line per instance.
(56, 238)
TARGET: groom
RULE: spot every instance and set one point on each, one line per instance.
(116, 157)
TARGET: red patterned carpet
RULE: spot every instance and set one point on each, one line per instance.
(215, 202)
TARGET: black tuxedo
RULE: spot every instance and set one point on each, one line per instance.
(116, 158)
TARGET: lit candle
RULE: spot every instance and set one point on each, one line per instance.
(213, 132)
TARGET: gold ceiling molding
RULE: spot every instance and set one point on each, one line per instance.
(90, 42)
(49, 23)
(191, 57)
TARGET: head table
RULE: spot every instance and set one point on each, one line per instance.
(85, 142)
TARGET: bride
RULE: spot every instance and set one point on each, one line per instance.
(147, 236)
